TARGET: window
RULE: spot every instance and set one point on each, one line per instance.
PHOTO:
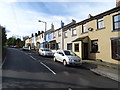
(66, 35)
(54, 34)
(69, 46)
(94, 46)
(116, 22)
(59, 45)
(100, 23)
(59, 33)
(76, 47)
(84, 28)
(74, 33)
(115, 45)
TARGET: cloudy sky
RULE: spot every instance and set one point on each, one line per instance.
(20, 17)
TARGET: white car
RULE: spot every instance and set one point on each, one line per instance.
(25, 48)
(45, 52)
(67, 57)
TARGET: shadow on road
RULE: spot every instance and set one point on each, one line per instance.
(29, 83)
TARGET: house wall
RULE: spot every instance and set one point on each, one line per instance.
(70, 37)
(103, 36)
(58, 38)
(27, 41)
(40, 40)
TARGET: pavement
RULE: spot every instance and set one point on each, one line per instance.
(109, 70)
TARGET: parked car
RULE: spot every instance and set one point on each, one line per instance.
(45, 52)
(67, 57)
(16, 46)
(25, 48)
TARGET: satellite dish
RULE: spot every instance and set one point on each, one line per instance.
(90, 29)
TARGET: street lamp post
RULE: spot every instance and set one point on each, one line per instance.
(45, 31)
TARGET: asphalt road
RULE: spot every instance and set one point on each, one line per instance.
(26, 69)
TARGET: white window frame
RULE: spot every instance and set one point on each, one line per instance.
(100, 23)
(65, 35)
(74, 34)
(84, 28)
(59, 33)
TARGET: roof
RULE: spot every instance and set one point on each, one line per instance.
(116, 9)
(52, 41)
(79, 39)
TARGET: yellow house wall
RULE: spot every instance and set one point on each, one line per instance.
(103, 36)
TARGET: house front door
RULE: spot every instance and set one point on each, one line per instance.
(85, 50)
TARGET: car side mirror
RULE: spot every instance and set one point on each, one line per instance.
(62, 54)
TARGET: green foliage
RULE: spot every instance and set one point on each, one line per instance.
(13, 41)
(4, 38)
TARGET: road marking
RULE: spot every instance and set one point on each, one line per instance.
(44, 65)
(48, 68)
(26, 54)
(3, 61)
(32, 57)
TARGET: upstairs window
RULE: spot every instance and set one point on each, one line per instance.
(54, 35)
(116, 22)
(100, 23)
(84, 28)
(65, 34)
(74, 32)
(59, 33)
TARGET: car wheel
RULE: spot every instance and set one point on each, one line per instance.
(64, 63)
(38, 53)
(55, 59)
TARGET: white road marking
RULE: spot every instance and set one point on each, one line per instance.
(32, 57)
(26, 54)
(4, 61)
(48, 68)
(44, 65)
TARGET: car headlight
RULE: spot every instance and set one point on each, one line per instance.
(71, 60)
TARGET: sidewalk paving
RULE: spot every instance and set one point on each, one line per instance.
(105, 69)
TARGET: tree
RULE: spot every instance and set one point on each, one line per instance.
(4, 38)
(12, 41)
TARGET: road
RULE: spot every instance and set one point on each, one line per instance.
(26, 69)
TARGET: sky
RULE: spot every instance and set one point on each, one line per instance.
(20, 17)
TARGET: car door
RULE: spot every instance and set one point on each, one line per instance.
(57, 55)
(61, 56)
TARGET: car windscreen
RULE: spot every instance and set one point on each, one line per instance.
(69, 53)
(46, 50)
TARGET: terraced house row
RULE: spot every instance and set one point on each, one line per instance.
(97, 37)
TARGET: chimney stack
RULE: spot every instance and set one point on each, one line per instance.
(52, 26)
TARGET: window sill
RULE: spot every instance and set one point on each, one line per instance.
(74, 35)
(115, 30)
(76, 51)
(59, 35)
(100, 28)
(84, 32)
(94, 52)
